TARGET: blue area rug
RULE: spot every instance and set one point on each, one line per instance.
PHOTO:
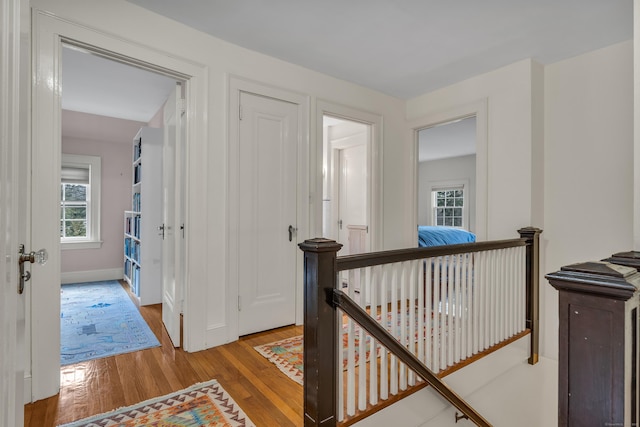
(98, 319)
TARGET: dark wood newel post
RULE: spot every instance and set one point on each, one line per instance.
(320, 326)
(532, 235)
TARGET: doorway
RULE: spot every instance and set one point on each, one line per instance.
(106, 105)
(447, 174)
(49, 34)
(346, 188)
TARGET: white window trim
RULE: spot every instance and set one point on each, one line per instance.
(95, 173)
(442, 185)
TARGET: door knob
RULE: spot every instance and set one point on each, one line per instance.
(292, 231)
(40, 257)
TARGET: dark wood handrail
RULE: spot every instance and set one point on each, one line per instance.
(350, 262)
(355, 312)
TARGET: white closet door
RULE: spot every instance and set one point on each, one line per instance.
(267, 217)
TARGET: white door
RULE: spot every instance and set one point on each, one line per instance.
(13, 193)
(352, 189)
(267, 243)
(172, 160)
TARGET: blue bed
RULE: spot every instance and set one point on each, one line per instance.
(436, 236)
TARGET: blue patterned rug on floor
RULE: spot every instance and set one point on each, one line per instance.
(98, 319)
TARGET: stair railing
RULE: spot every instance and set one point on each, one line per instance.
(480, 295)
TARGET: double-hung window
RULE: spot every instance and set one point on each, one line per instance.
(80, 202)
(448, 204)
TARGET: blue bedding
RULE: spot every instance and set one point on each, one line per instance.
(437, 236)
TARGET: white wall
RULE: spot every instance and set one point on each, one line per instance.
(128, 22)
(451, 169)
(588, 170)
(508, 92)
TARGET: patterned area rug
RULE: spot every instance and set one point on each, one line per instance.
(205, 404)
(98, 319)
(287, 354)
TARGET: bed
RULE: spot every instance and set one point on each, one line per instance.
(429, 235)
(438, 236)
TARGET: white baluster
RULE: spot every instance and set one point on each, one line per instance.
(373, 364)
(394, 327)
(340, 367)
(431, 333)
(384, 303)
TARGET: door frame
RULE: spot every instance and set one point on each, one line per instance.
(48, 34)
(237, 85)
(375, 194)
(478, 109)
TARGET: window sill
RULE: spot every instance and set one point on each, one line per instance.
(93, 244)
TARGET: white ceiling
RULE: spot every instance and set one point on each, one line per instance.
(406, 48)
(403, 48)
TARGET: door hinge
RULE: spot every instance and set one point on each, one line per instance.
(239, 303)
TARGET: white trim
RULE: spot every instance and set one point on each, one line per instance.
(236, 85)
(49, 32)
(374, 167)
(91, 275)
(479, 109)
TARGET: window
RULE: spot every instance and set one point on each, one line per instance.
(80, 202)
(449, 205)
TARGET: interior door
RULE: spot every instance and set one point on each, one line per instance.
(173, 241)
(13, 193)
(352, 189)
(267, 241)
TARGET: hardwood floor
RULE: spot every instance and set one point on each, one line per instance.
(265, 394)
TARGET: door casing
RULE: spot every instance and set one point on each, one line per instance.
(49, 32)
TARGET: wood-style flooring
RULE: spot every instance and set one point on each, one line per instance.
(265, 394)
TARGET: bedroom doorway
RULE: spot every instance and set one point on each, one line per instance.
(446, 172)
(105, 103)
(49, 34)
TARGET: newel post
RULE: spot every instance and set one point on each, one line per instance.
(320, 328)
(532, 235)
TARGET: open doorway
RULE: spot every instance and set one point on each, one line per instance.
(346, 188)
(446, 188)
(108, 107)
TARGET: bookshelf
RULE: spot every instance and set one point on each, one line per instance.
(142, 241)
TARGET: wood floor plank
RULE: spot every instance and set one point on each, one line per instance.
(266, 395)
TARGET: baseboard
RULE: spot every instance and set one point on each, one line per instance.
(27, 389)
(91, 275)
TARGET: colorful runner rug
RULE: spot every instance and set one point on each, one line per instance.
(201, 405)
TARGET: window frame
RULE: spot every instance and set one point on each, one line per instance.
(94, 164)
(451, 186)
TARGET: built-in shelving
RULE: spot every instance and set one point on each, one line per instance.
(142, 241)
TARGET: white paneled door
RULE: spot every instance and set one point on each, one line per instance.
(267, 235)
(172, 223)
